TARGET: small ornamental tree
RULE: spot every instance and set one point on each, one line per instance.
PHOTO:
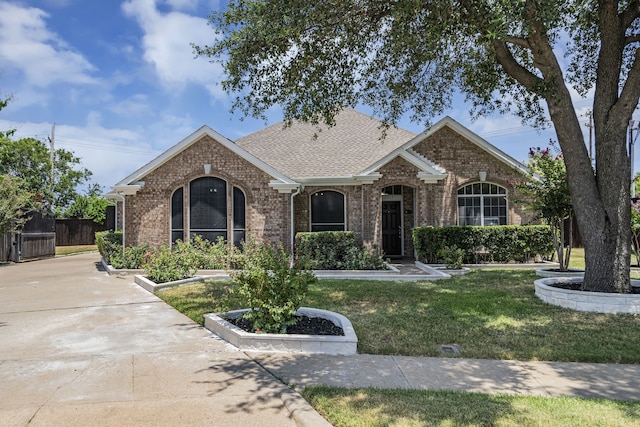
(547, 192)
(15, 202)
(271, 286)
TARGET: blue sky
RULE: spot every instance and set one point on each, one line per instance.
(120, 82)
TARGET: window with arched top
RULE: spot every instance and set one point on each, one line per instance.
(208, 208)
(327, 211)
(482, 204)
(239, 216)
(207, 211)
(177, 215)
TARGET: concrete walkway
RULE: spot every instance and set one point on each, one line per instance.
(550, 379)
(81, 348)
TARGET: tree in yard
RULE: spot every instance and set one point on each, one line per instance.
(523, 56)
(30, 160)
(16, 201)
(90, 205)
(546, 191)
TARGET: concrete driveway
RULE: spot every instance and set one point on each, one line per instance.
(79, 348)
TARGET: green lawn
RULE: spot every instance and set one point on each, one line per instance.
(68, 250)
(373, 408)
(491, 314)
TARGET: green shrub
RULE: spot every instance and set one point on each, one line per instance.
(336, 250)
(325, 250)
(214, 256)
(167, 263)
(109, 243)
(270, 287)
(451, 256)
(501, 243)
(361, 258)
(132, 258)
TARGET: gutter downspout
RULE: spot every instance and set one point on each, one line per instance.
(124, 217)
(293, 230)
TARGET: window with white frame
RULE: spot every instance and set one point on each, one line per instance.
(327, 211)
(482, 204)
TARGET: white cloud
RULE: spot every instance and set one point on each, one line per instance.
(167, 44)
(110, 153)
(28, 46)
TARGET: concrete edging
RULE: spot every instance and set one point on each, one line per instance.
(598, 302)
(283, 343)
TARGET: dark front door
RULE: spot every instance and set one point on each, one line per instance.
(391, 229)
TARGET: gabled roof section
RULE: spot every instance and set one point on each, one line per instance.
(469, 135)
(281, 182)
(339, 153)
(431, 172)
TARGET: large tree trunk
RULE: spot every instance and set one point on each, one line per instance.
(601, 203)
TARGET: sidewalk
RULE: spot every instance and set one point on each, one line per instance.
(549, 379)
(81, 348)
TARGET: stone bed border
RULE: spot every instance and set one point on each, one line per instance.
(598, 302)
(281, 343)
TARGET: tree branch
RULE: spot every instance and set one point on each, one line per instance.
(630, 14)
(519, 41)
(513, 67)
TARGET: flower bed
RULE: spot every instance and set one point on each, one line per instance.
(247, 341)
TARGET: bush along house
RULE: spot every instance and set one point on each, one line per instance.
(287, 179)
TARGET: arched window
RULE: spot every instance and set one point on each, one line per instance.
(483, 204)
(239, 217)
(208, 208)
(327, 211)
(177, 215)
(207, 211)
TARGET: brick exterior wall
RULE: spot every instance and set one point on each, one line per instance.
(422, 203)
(148, 212)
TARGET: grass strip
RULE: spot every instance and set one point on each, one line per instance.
(377, 408)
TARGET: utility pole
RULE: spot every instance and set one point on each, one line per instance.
(52, 154)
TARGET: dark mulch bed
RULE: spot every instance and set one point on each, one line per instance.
(304, 326)
(577, 286)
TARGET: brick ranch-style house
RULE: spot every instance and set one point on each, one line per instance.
(288, 179)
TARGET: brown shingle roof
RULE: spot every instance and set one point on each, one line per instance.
(304, 150)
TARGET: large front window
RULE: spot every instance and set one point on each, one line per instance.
(327, 211)
(482, 204)
(208, 208)
(207, 211)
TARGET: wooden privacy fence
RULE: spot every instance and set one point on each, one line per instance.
(37, 239)
(73, 232)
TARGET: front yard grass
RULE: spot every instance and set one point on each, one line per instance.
(490, 314)
(373, 407)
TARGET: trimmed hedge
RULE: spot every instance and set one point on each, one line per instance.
(336, 250)
(109, 243)
(502, 244)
